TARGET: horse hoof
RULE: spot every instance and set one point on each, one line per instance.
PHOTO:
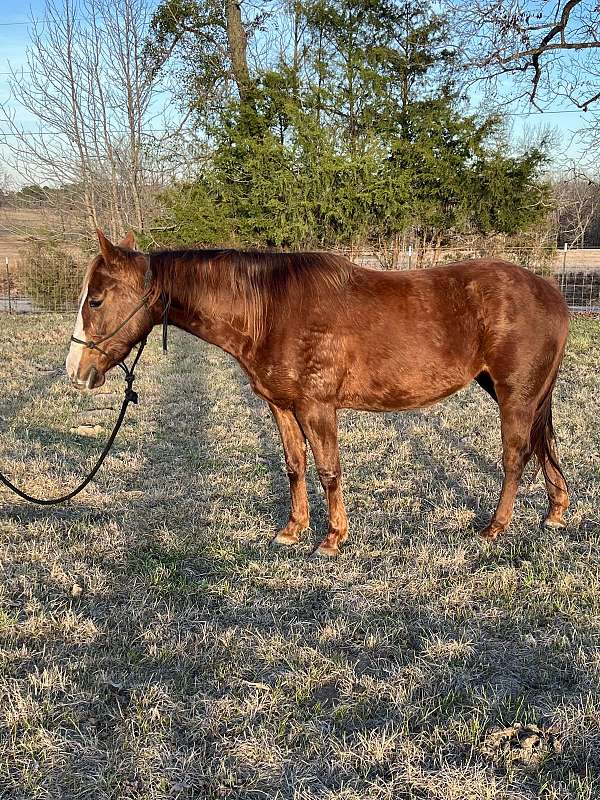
(285, 539)
(553, 524)
(325, 551)
(490, 533)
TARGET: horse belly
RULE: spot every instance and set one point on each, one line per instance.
(404, 383)
(376, 372)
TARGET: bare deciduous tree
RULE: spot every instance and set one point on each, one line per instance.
(577, 207)
(96, 103)
(546, 49)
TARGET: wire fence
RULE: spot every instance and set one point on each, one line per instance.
(576, 272)
(581, 290)
(33, 284)
(42, 279)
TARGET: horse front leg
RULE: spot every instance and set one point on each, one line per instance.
(294, 447)
(319, 423)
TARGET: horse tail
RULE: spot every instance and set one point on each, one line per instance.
(542, 438)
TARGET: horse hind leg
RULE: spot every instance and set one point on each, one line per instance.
(527, 429)
(516, 425)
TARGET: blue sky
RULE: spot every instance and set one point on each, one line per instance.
(14, 34)
(14, 39)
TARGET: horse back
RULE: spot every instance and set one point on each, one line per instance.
(406, 339)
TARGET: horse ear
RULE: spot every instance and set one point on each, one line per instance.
(129, 241)
(107, 248)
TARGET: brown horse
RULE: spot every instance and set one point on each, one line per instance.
(315, 333)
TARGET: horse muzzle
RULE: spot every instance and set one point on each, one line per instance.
(93, 380)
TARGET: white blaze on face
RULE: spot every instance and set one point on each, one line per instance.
(76, 350)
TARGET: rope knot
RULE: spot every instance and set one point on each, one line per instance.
(131, 395)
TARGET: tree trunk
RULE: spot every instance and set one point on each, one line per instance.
(237, 43)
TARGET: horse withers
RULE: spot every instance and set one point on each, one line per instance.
(316, 333)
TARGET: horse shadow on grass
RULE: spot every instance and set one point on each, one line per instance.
(102, 652)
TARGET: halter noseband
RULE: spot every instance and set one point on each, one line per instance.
(94, 345)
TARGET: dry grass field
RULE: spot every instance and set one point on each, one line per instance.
(152, 645)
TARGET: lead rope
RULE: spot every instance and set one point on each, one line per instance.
(131, 396)
(166, 300)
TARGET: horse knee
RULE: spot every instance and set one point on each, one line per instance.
(515, 461)
(329, 478)
(295, 464)
(295, 469)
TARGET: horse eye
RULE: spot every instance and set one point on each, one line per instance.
(94, 303)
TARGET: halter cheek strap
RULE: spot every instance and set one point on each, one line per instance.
(94, 345)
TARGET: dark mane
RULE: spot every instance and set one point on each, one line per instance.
(257, 281)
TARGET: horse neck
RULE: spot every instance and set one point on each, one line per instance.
(210, 316)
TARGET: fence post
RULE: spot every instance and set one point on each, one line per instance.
(562, 277)
(409, 254)
(8, 286)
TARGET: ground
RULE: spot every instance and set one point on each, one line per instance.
(152, 645)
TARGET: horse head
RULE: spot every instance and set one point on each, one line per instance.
(114, 312)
